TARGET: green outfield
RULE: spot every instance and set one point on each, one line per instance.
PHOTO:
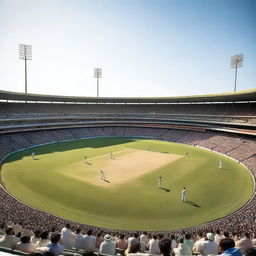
(61, 182)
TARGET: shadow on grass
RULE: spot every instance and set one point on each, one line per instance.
(165, 189)
(226, 169)
(191, 203)
(70, 145)
(106, 180)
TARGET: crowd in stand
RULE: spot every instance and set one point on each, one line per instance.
(88, 242)
(240, 147)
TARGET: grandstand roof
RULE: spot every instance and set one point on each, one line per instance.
(242, 96)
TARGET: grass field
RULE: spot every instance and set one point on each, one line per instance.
(61, 183)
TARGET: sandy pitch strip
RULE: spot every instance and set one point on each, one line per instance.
(126, 167)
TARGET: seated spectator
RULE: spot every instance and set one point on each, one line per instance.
(67, 237)
(99, 239)
(25, 245)
(43, 241)
(143, 246)
(244, 243)
(89, 240)
(209, 246)
(188, 241)
(18, 228)
(174, 243)
(227, 247)
(133, 239)
(165, 246)
(134, 250)
(217, 236)
(79, 239)
(250, 252)
(121, 243)
(144, 237)
(143, 241)
(108, 246)
(55, 246)
(234, 236)
(36, 237)
(9, 240)
(182, 249)
(53, 231)
(153, 245)
(198, 245)
(225, 234)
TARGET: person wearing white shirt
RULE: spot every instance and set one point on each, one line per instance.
(108, 246)
(159, 182)
(217, 237)
(9, 240)
(79, 240)
(89, 240)
(144, 237)
(182, 249)
(36, 237)
(198, 245)
(183, 195)
(153, 245)
(67, 236)
(174, 243)
(209, 246)
(43, 241)
(25, 245)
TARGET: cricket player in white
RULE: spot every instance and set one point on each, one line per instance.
(220, 164)
(159, 182)
(183, 194)
(33, 155)
(102, 175)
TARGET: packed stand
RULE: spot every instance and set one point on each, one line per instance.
(88, 242)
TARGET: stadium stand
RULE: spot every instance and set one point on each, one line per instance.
(228, 128)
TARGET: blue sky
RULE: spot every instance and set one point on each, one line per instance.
(144, 47)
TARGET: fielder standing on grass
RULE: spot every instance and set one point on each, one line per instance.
(220, 164)
(159, 182)
(183, 195)
(33, 155)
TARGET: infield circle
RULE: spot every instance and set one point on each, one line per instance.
(65, 179)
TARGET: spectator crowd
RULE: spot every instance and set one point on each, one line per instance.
(89, 242)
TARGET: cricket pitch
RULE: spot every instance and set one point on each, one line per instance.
(125, 165)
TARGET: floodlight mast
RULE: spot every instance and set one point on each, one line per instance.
(25, 53)
(97, 74)
(237, 61)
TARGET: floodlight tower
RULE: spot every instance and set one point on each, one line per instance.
(25, 53)
(97, 74)
(237, 61)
